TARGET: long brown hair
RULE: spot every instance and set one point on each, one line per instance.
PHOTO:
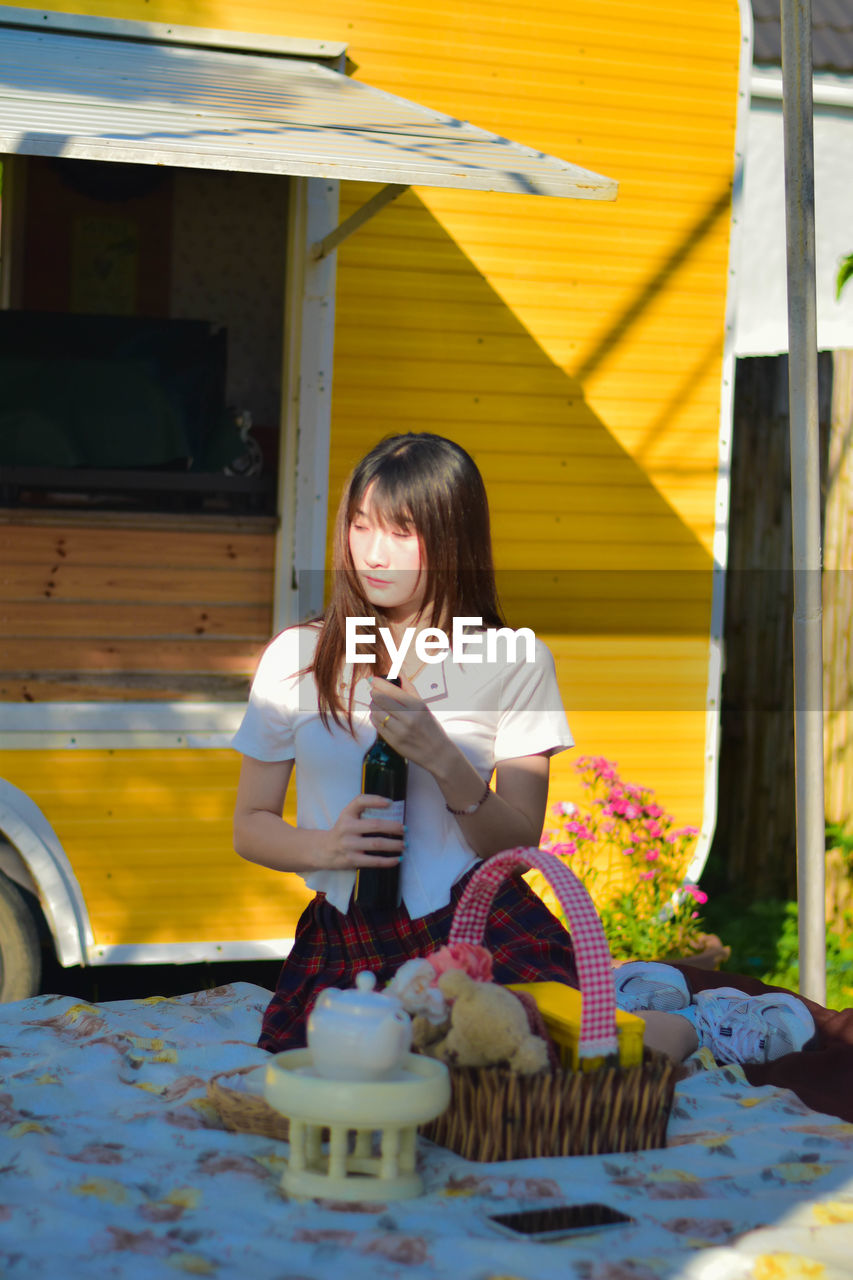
(428, 483)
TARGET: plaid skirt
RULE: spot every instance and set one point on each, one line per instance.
(527, 942)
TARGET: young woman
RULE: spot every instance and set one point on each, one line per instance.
(412, 553)
(412, 550)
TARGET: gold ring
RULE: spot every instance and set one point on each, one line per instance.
(385, 721)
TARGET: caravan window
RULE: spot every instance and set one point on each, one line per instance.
(140, 347)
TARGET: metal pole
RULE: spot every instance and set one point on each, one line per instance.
(805, 492)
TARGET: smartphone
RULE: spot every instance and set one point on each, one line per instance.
(555, 1222)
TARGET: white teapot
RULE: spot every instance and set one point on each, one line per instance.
(359, 1034)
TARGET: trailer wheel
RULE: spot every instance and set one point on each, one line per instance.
(20, 952)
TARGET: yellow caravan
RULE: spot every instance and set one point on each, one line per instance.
(230, 263)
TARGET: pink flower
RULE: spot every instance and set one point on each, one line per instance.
(476, 961)
(693, 891)
(628, 850)
(564, 850)
(654, 829)
(631, 811)
(580, 830)
(647, 875)
(564, 809)
(653, 811)
(652, 855)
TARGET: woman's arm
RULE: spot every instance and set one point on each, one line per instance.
(261, 835)
(514, 812)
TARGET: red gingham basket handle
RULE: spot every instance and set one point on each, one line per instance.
(592, 954)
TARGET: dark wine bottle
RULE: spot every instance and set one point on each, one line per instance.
(384, 772)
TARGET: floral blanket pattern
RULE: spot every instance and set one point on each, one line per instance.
(112, 1166)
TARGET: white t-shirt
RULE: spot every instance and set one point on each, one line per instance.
(491, 711)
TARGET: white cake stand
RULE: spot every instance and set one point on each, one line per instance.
(355, 1113)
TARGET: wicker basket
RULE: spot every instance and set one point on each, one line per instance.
(495, 1114)
(245, 1112)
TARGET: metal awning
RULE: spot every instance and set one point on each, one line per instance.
(100, 89)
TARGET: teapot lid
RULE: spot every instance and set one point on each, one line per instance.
(361, 999)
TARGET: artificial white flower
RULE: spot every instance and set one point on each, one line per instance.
(412, 984)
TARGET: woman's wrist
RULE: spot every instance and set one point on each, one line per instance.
(459, 782)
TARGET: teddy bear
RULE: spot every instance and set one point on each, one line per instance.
(487, 1026)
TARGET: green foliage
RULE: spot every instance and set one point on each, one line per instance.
(838, 838)
(845, 271)
(632, 858)
(764, 943)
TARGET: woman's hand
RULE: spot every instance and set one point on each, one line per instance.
(406, 722)
(261, 835)
(355, 841)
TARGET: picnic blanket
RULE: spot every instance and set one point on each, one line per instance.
(112, 1165)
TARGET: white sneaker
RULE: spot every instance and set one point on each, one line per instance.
(645, 984)
(741, 1028)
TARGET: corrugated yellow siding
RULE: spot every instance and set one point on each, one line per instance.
(148, 834)
(574, 348)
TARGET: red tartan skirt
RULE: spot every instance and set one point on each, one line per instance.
(527, 942)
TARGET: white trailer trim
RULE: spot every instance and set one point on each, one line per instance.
(190, 952)
(716, 663)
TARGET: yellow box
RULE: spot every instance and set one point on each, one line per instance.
(561, 1008)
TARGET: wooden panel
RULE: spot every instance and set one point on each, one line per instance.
(121, 686)
(159, 622)
(107, 612)
(132, 584)
(141, 655)
(106, 543)
(838, 598)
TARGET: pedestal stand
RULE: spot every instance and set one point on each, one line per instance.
(358, 1115)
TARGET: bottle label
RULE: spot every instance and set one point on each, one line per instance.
(395, 812)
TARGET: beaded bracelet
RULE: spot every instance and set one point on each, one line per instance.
(471, 808)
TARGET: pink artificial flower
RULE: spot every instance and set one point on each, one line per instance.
(695, 892)
(475, 960)
(631, 811)
(628, 850)
(653, 811)
(652, 855)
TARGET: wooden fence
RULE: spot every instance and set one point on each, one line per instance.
(755, 844)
